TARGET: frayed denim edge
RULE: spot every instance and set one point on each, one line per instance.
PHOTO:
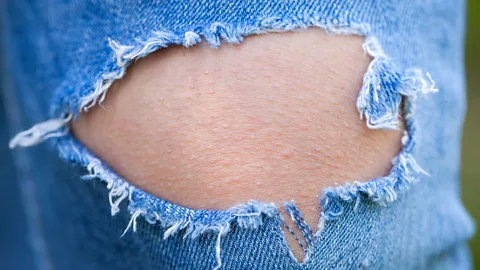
(379, 103)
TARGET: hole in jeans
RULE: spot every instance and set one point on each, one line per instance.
(272, 119)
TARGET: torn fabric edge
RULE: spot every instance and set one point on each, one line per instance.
(174, 217)
(405, 169)
(379, 101)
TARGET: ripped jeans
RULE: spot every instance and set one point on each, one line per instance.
(61, 57)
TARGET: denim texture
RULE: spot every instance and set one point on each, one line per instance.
(60, 57)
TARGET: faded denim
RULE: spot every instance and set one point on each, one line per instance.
(60, 58)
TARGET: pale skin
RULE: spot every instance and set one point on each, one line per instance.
(271, 119)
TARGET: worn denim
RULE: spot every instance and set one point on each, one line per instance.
(60, 58)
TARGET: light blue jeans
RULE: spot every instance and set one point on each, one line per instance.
(59, 58)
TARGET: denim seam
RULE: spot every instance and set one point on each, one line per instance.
(379, 102)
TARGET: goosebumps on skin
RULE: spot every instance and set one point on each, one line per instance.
(272, 119)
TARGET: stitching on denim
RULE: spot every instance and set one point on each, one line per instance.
(294, 236)
(384, 87)
(297, 218)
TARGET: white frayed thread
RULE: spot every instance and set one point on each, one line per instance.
(100, 90)
(191, 38)
(133, 222)
(175, 228)
(119, 50)
(357, 203)
(118, 190)
(41, 132)
(248, 214)
(121, 193)
(372, 47)
(221, 231)
(387, 121)
(405, 137)
(417, 82)
(365, 263)
(320, 227)
(429, 87)
(159, 39)
(407, 160)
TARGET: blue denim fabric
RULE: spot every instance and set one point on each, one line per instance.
(60, 57)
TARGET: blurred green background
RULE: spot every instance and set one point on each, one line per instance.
(471, 135)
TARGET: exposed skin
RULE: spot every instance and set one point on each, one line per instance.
(272, 119)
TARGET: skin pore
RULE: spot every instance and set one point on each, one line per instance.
(271, 119)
